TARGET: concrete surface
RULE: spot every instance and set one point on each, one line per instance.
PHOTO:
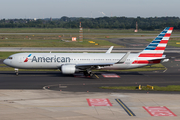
(58, 105)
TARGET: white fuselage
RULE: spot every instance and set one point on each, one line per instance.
(56, 60)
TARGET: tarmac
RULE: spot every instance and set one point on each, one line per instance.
(59, 105)
(54, 96)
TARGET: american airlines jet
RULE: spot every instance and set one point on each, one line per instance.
(69, 63)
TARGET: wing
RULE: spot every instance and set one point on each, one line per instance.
(92, 65)
(96, 65)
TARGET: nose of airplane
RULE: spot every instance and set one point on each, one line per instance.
(5, 61)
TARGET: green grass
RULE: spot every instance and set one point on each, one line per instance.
(6, 69)
(156, 88)
(2, 65)
(56, 40)
(38, 30)
(50, 41)
(65, 30)
(67, 36)
(70, 30)
(120, 87)
(173, 41)
(53, 43)
(64, 36)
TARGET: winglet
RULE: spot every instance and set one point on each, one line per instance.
(110, 49)
(123, 59)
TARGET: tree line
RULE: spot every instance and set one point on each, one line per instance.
(150, 23)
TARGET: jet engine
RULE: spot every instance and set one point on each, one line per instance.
(68, 69)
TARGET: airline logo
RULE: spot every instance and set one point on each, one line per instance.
(51, 59)
(157, 46)
(27, 58)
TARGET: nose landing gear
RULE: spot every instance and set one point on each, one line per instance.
(16, 71)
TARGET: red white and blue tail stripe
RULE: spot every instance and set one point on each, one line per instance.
(157, 46)
(153, 53)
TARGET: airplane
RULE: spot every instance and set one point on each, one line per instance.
(70, 63)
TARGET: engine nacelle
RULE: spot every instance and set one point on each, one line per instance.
(68, 69)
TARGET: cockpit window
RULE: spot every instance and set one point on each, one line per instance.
(10, 57)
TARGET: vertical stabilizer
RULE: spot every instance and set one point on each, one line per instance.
(157, 46)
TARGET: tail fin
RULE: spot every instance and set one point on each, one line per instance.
(157, 46)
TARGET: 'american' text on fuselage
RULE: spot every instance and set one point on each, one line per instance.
(51, 59)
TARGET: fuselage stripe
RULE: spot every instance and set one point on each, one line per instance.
(146, 62)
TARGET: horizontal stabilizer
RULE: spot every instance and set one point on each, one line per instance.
(123, 59)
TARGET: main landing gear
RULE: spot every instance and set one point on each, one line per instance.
(88, 73)
(16, 71)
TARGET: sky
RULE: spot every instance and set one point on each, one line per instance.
(10, 9)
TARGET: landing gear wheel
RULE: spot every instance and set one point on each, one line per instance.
(16, 71)
(88, 73)
(91, 74)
